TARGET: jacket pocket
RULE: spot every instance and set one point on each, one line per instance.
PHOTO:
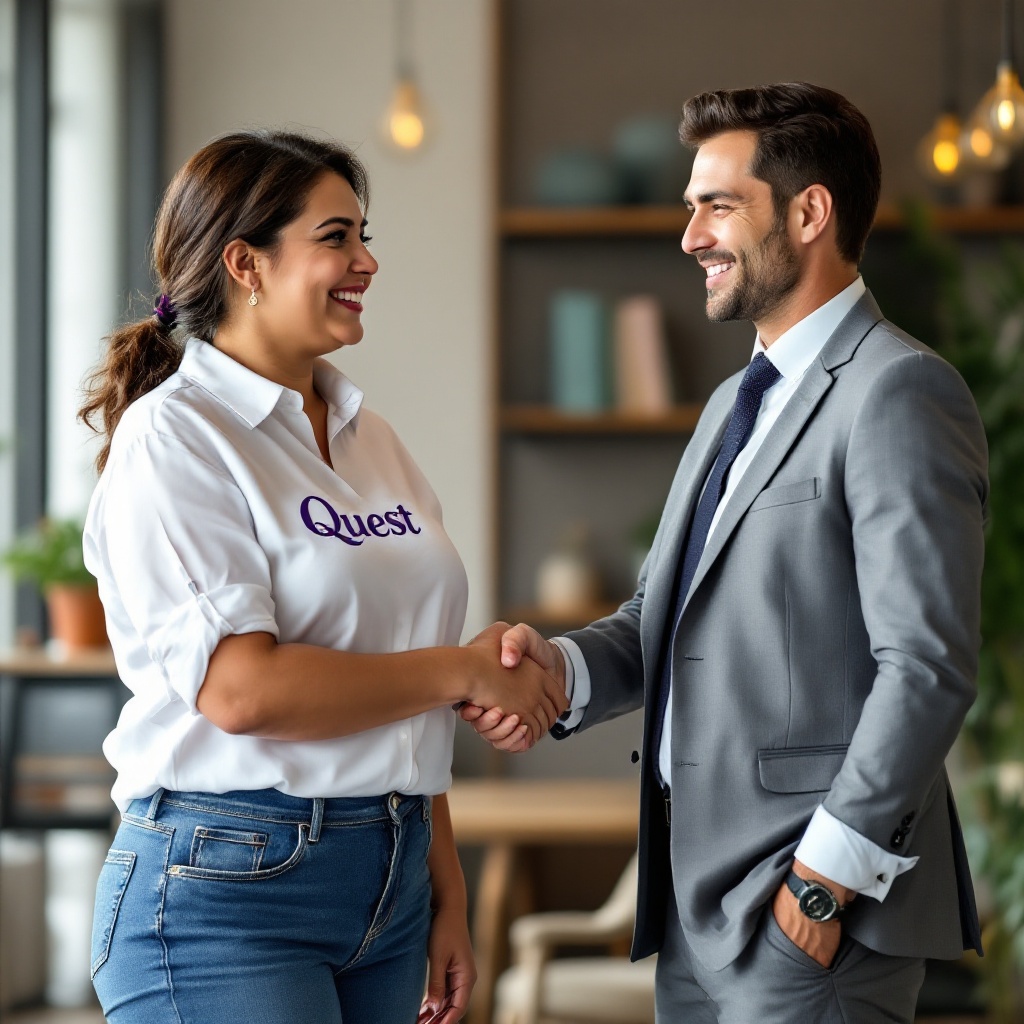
(788, 494)
(800, 769)
(110, 887)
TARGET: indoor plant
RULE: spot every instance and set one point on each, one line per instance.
(979, 324)
(50, 556)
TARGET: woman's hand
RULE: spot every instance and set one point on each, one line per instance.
(526, 693)
(452, 968)
(449, 950)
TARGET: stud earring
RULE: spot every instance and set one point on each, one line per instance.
(252, 298)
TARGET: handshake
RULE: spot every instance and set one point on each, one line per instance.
(517, 686)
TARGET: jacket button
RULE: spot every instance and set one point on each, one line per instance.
(897, 839)
(908, 818)
(635, 756)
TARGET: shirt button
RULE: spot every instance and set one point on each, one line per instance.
(403, 735)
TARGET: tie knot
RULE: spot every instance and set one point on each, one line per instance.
(760, 376)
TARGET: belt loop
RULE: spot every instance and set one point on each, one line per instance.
(318, 818)
(154, 803)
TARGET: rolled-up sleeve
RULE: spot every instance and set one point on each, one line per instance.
(178, 541)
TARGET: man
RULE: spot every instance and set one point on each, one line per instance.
(805, 632)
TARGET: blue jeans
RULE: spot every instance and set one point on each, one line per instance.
(262, 908)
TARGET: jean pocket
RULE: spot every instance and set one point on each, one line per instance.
(226, 849)
(110, 887)
(229, 855)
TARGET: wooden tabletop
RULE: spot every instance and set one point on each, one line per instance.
(542, 811)
(44, 661)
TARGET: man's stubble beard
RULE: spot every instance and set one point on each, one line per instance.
(770, 272)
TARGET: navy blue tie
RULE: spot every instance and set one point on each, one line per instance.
(760, 376)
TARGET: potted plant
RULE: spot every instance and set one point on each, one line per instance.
(50, 556)
(979, 323)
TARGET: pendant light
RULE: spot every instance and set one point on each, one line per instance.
(1001, 110)
(939, 152)
(405, 125)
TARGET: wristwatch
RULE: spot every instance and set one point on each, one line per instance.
(816, 901)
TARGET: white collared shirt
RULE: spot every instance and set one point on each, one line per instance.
(216, 514)
(829, 846)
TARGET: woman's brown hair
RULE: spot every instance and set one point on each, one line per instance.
(247, 185)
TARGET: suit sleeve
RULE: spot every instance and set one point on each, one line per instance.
(916, 490)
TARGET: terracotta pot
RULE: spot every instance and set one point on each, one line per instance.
(76, 616)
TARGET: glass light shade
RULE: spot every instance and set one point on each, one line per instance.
(938, 153)
(979, 149)
(1001, 109)
(405, 123)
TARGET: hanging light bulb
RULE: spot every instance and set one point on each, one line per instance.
(980, 149)
(1001, 110)
(405, 124)
(938, 153)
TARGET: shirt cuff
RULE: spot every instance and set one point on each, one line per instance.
(833, 850)
(577, 682)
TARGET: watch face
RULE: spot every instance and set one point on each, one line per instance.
(818, 903)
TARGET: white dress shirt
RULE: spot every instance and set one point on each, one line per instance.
(828, 847)
(215, 515)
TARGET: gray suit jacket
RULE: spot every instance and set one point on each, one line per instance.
(827, 651)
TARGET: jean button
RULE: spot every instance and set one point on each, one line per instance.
(395, 801)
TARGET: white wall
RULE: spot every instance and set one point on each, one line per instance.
(327, 65)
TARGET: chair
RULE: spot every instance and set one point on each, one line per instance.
(595, 990)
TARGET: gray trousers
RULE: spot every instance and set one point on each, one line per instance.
(775, 982)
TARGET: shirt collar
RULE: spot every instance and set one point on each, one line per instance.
(252, 397)
(795, 350)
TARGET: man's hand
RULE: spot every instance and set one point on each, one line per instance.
(521, 700)
(521, 642)
(819, 940)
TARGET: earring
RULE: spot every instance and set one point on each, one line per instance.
(252, 298)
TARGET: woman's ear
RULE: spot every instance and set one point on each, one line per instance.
(240, 260)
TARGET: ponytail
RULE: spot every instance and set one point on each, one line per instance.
(139, 357)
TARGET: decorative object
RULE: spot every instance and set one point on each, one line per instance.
(406, 119)
(981, 326)
(579, 352)
(643, 379)
(50, 556)
(567, 582)
(653, 165)
(996, 127)
(1001, 110)
(577, 176)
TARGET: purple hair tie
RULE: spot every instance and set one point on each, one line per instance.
(164, 312)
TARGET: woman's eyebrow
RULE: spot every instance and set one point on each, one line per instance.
(346, 221)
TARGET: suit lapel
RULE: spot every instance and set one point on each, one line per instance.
(839, 349)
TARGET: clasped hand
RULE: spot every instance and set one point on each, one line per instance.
(525, 697)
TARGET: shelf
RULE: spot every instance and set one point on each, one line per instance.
(543, 619)
(538, 419)
(41, 662)
(639, 221)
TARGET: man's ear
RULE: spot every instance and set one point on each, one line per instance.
(240, 259)
(811, 213)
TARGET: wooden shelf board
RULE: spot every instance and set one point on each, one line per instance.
(639, 221)
(535, 419)
(41, 661)
(540, 617)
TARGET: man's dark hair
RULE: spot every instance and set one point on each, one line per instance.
(806, 135)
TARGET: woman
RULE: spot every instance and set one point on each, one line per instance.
(284, 603)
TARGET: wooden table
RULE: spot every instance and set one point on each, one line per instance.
(83, 777)
(508, 815)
